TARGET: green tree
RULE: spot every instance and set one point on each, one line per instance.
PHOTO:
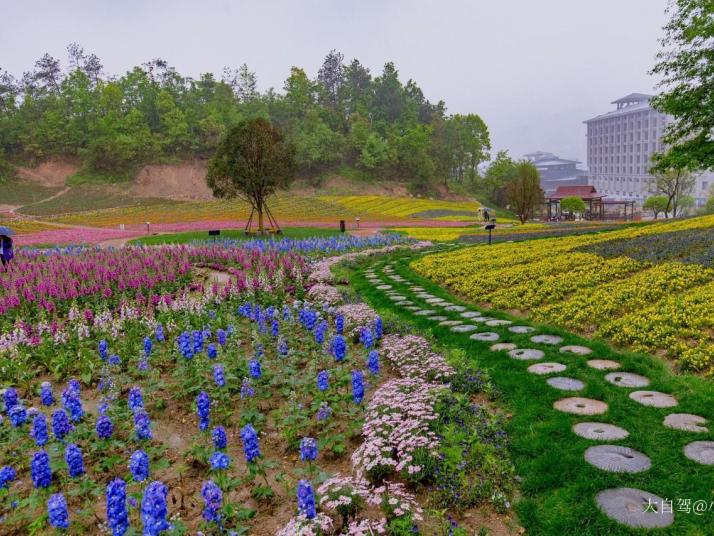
(252, 162)
(673, 183)
(657, 204)
(686, 68)
(375, 152)
(574, 205)
(524, 192)
(709, 207)
(499, 173)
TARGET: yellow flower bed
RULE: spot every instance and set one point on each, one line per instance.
(449, 234)
(397, 206)
(666, 308)
(26, 226)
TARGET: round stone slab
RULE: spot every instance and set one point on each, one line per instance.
(437, 318)
(575, 349)
(580, 406)
(425, 295)
(397, 297)
(526, 354)
(498, 322)
(413, 308)
(521, 329)
(384, 287)
(617, 459)
(470, 314)
(547, 339)
(416, 289)
(486, 336)
(404, 302)
(700, 452)
(432, 301)
(603, 364)
(503, 347)
(627, 379)
(455, 308)
(463, 329)
(600, 431)
(565, 384)
(634, 508)
(546, 368)
(451, 323)
(685, 422)
(481, 319)
(425, 312)
(654, 399)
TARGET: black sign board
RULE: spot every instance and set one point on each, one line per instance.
(214, 232)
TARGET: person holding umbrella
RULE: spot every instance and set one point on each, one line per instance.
(6, 252)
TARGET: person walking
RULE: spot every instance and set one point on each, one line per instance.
(6, 252)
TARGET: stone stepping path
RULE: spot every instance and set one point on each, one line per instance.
(700, 452)
(634, 508)
(404, 302)
(481, 319)
(425, 312)
(546, 368)
(575, 349)
(424, 295)
(603, 364)
(521, 329)
(617, 459)
(437, 318)
(466, 328)
(654, 399)
(580, 406)
(397, 298)
(627, 379)
(487, 336)
(432, 301)
(546, 339)
(498, 322)
(685, 422)
(413, 308)
(503, 347)
(526, 354)
(600, 431)
(470, 314)
(455, 308)
(451, 323)
(565, 384)
(384, 287)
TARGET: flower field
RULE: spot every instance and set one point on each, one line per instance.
(660, 306)
(403, 207)
(22, 227)
(230, 389)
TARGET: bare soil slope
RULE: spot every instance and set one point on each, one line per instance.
(52, 173)
(180, 182)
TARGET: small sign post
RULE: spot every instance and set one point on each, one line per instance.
(490, 227)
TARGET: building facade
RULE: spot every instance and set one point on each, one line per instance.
(620, 145)
(555, 171)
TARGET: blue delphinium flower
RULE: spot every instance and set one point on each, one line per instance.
(139, 465)
(259, 350)
(114, 360)
(46, 395)
(135, 400)
(246, 391)
(323, 412)
(251, 448)
(103, 349)
(104, 427)
(117, 514)
(308, 449)
(40, 470)
(159, 333)
(17, 415)
(339, 347)
(142, 425)
(306, 499)
(378, 328)
(357, 386)
(39, 430)
(320, 331)
(366, 338)
(220, 461)
(213, 498)
(275, 327)
(221, 336)
(219, 375)
(282, 347)
(103, 407)
(154, 510)
(184, 345)
(203, 408)
(220, 440)
(73, 404)
(148, 345)
(143, 365)
(323, 380)
(75, 461)
(10, 397)
(60, 424)
(340, 324)
(7, 475)
(197, 337)
(57, 511)
(254, 368)
(373, 362)
(212, 351)
(74, 387)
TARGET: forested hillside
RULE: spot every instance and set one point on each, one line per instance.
(345, 116)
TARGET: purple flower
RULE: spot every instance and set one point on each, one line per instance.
(60, 424)
(221, 337)
(339, 347)
(251, 448)
(373, 362)
(308, 449)
(357, 386)
(117, 515)
(39, 430)
(46, 395)
(306, 499)
(114, 360)
(7, 475)
(282, 347)
(142, 425)
(203, 408)
(17, 415)
(159, 333)
(57, 511)
(197, 337)
(104, 427)
(220, 461)
(75, 461)
(340, 324)
(324, 412)
(378, 328)
(323, 380)
(246, 391)
(213, 498)
(148, 346)
(320, 331)
(73, 404)
(154, 510)
(40, 470)
(254, 368)
(136, 399)
(139, 465)
(366, 338)
(220, 440)
(212, 351)
(103, 349)
(219, 376)
(10, 397)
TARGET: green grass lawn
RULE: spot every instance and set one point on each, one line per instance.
(21, 192)
(232, 234)
(558, 486)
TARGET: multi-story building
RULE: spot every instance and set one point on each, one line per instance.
(620, 144)
(555, 171)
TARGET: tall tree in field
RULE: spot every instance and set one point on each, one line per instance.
(674, 184)
(252, 162)
(686, 65)
(524, 192)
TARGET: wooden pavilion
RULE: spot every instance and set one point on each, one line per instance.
(593, 200)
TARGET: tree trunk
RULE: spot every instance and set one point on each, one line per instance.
(261, 226)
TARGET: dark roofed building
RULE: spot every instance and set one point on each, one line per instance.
(555, 171)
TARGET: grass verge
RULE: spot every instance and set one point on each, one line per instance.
(231, 234)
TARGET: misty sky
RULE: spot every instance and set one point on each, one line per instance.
(533, 69)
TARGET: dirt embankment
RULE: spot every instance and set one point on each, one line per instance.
(181, 182)
(52, 173)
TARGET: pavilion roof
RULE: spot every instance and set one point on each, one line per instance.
(584, 192)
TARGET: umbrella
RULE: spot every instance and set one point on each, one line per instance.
(6, 231)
